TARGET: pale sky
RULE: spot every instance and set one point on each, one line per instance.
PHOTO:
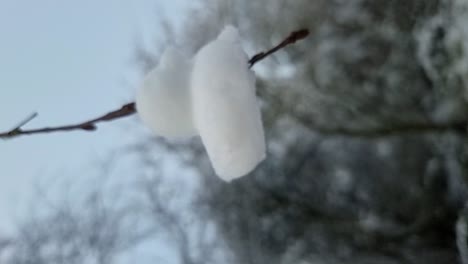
(69, 61)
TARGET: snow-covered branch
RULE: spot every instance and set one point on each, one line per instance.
(129, 109)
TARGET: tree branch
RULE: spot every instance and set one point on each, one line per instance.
(89, 125)
(129, 109)
(291, 39)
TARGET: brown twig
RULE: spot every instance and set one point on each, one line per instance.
(90, 125)
(291, 39)
(129, 109)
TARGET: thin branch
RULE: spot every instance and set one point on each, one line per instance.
(291, 39)
(24, 122)
(89, 125)
(129, 109)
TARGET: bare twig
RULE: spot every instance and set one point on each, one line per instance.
(90, 125)
(291, 39)
(129, 109)
(24, 122)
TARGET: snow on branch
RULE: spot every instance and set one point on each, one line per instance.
(129, 109)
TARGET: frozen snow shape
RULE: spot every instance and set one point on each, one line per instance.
(225, 109)
(163, 100)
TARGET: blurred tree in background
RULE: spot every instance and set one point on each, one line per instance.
(366, 133)
(367, 160)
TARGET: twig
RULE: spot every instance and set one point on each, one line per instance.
(129, 109)
(24, 122)
(291, 39)
(89, 125)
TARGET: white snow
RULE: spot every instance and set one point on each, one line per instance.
(215, 99)
(163, 100)
(225, 108)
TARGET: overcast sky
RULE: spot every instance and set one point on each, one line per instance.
(69, 61)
